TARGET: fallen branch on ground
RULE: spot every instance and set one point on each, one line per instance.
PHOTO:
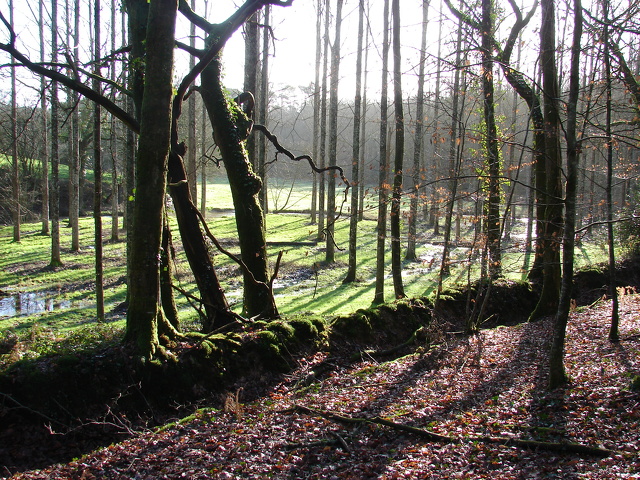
(564, 447)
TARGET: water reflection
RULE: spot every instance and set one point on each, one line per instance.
(30, 303)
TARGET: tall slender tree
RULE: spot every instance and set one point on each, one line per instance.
(55, 261)
(333, 134)
(113, 139)
(44, 155)
(557, 375)
(550, 174)
(97, 167)
(383, 172)
(74, 134)
(192, 166)
(263, 109)
(316, 109)
(323, 123)
(418, 140)
(355, 153)
(613, 293)
(15, 177)
(396, 216)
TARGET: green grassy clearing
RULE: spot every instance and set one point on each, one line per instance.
(304, 283)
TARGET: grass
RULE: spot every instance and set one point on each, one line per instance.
(304, 284)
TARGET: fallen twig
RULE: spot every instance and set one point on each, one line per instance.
(565, 447)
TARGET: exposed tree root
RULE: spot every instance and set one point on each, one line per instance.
(563, 447)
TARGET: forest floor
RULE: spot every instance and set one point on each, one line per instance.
(478, 392)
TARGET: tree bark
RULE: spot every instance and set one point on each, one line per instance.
(45, 130)
(144, 315)
(97, 169)
(551, 172)
(355, 154)
(557, 375)
(418, 141)
(245, 185)
(333, 136)
(396, 199)
(323, 125)
(382, 176)
(263, 107)
(15, 174)
(55, 158)
(491, 141)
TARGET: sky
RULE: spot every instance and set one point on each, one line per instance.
(293, 61)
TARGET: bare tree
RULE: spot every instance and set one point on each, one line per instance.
(55, 159)
(396, 254)
(383, 172)
(15, 177)
(97, 168)
(418, 140)
(333, 135)
(557, 375)
(355, 153)
(45, 133)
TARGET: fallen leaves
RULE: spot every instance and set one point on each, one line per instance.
(492, 384)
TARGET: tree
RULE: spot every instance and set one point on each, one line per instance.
(263, 110)
(192, 169)
(15, 178)
(396, 259)
(323, 123)
(491, 140)
(613, 293)
(55, 159)
(333, 135)
(97, 168)
(144, 317)
(557, 375)
(418, 140)
(355, 153)
(44, 156)
(316, 109)
(74, 138)
(382, 176)
(550, 174)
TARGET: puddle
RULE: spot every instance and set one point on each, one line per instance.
(22, 304)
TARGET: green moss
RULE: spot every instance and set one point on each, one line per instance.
(285, 331)
(304, 328)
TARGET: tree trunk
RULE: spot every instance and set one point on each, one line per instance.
(192, 166)
(613, 293)
(333, 136)
(263, 108)
(55, 159)
(316, 110)
(97, 169)
(396, 216)
(245, 185)
(552, 174)
(557, 375)
(113, 140)
(382, 177)
(355, 154)
(323, 124)
(491, 141)
(15, 174)
(251, 59)
(74, 143)
(417, 142)
(45, 130)
(144, 315)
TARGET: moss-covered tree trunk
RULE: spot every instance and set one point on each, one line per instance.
(230, 129)
(144, 312)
